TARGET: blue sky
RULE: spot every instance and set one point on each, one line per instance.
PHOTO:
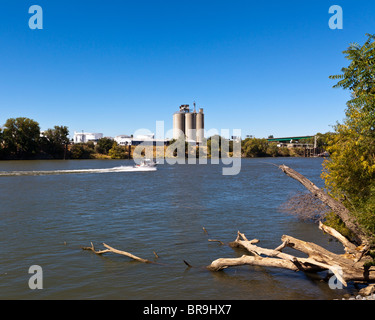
(119, 66)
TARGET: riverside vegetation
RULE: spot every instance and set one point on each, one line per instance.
(21, 139)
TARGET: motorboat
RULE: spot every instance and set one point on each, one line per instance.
(148, 163)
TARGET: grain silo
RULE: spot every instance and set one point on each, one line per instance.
(200, 126)
(178, 125)
(190, 126)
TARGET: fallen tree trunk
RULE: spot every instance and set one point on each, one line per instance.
(345, 267)
(224, 263)
(336, 206)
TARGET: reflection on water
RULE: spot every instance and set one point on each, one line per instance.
(46, 218)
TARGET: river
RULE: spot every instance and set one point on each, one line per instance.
(49, 209)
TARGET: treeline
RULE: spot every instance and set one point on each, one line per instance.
(255, 147)
(21, 138)
(105, 148)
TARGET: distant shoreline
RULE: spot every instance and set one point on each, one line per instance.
(105, 157)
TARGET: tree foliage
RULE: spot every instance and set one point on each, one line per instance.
(21, 138)
(118, 152)
(350, 173)
(54, 142)
(253, 147)
(82, 150)
(218, 146)
(104, 145)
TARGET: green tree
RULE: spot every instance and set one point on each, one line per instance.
(177, 148)
(104, 145)
(253, 147)
(273, 149)
(82, 150)
(218, 145)
(2, 149)
(117, 151)
(55, 141)
(21, 138)
(349, 174)
(322, 140)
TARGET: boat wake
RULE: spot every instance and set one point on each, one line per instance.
(76, 171)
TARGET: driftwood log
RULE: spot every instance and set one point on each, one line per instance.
(345, 267)
(120, 252)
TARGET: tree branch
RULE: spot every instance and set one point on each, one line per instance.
(336, 206)
(348, 246)
(113, 250)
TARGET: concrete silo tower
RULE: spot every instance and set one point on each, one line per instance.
(189, 125)
(200, 126)
(178, 125)
(179, 121)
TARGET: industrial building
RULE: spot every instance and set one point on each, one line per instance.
(145, 139)
(83, 137)
(123, 140)
(188, 124)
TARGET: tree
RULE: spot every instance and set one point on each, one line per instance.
(117, 151)
(82, 150)
(2, 149)
(350, 173)
(273, 149)
(219, 146)
(21, 138)
(54, 141)
(104, 145)
(253, 147)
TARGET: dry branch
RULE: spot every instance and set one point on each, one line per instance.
(336, 206)
(348, 246)
(113, 250)
(214, 240)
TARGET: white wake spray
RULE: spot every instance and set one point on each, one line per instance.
(76, 171)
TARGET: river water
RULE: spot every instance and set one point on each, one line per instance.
(49, 209)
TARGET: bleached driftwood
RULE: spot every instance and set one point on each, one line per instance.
(345, 267)
(113, 250)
